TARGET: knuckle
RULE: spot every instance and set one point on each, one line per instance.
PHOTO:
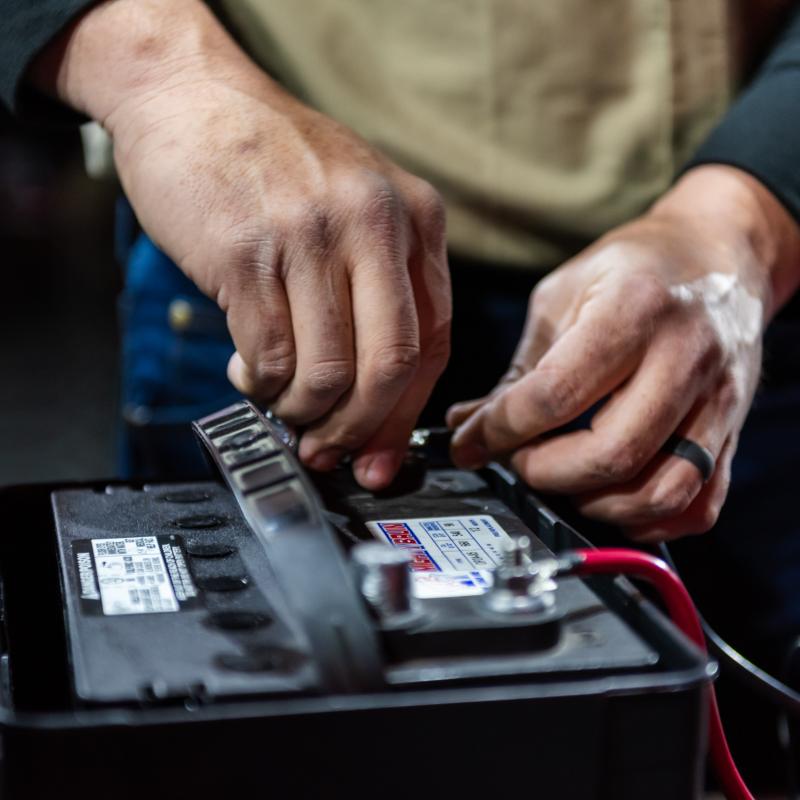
(316, 227)
(327, 379)
(248, 253)
(348, 438)
(627, 460)
(274, 369)
(648, 295)
(673, 496)
(731, 396)
(542, 293)
(378, 202)
(428, 206)
(308, 221)
(559, 393)
(617, 462)
(394, 366)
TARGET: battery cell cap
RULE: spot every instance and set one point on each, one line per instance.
(209, 549)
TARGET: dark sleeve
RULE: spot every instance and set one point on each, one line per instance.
(760, 134)
(26, 27)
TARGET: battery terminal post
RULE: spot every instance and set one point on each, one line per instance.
(522, 584)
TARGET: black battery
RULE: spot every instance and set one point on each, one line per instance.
(221, 638)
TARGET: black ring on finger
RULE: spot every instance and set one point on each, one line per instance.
(691, 451)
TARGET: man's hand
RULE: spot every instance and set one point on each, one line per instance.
(662, 320)
(328, 259)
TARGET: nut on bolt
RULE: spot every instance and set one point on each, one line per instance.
(522, 585)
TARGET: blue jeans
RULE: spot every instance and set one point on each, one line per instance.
(175, 350)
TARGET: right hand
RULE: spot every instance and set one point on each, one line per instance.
(328, 259)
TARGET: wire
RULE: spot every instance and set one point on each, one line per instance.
(760, 681)
(682, 612)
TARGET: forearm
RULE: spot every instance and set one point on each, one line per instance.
(747, 168)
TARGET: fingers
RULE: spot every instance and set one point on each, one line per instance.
(626, 433)
(318, 291)
(370, 310)
(458, 413)
(593, 357)
(387, 347)
(402, 341)
(669, 497)
(380, 458)
(260, 323)
(302, 359)
(700, 515)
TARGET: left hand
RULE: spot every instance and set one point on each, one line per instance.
(662, 319)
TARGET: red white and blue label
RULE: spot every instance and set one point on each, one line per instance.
(450, 556)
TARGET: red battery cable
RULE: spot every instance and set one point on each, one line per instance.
(681, 610)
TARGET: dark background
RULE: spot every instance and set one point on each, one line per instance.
(58, 326)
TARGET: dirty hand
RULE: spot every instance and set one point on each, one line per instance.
(662, 320)
(328, 259)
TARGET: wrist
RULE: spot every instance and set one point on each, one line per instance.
(744, 217)
(120, 53)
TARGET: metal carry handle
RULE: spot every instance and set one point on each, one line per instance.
(254, 456)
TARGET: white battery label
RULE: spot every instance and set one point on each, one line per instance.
(450, 556)
(132, 576)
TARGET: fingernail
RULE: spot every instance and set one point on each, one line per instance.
(377, 471)
(470, 456)
(325, 460)
(237, 373)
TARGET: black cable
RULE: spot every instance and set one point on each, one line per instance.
(761, 682)
(788, 732)
(756, 678)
